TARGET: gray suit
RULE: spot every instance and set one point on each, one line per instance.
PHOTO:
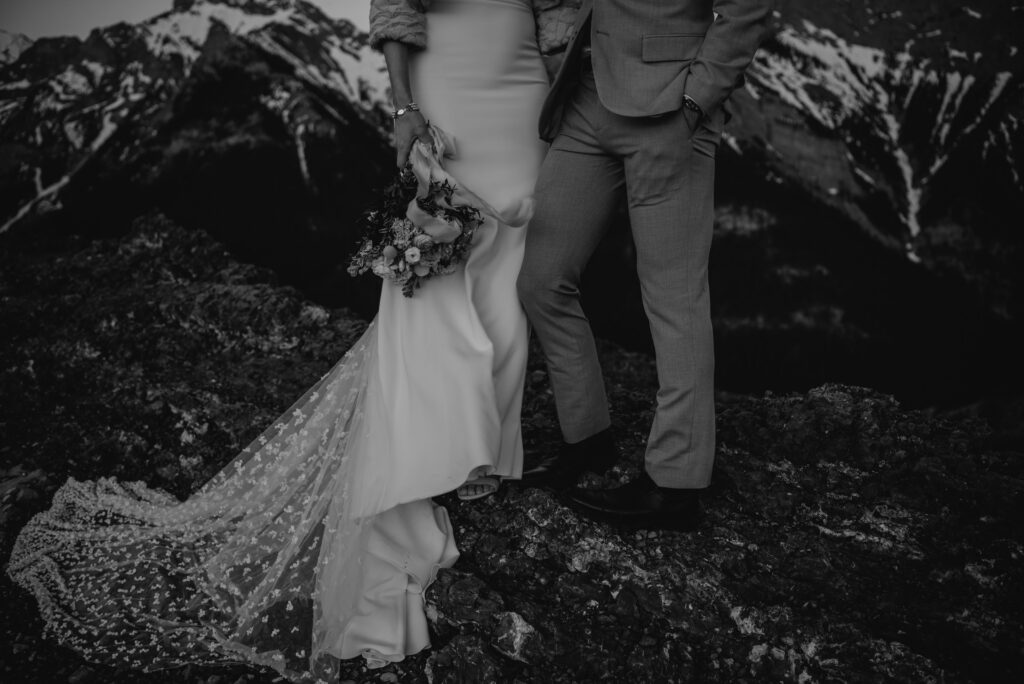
(619, 128)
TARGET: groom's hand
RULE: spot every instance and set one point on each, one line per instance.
(692, 113)
(408, 128)
(692, 119)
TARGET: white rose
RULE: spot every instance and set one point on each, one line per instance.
(380, 268)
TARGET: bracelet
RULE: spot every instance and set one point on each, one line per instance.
(402, 111)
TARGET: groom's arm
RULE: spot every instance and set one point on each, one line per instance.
(728, 49)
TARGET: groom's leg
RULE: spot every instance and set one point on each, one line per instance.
(577, 193)
(670, 188)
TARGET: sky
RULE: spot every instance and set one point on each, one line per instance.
(39, 18)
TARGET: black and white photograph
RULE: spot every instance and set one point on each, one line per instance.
(511, 341)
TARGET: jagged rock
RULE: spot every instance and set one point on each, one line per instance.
(515, 638)
(463, 659)
(461, 599)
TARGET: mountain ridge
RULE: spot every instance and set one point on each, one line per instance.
(863, 133)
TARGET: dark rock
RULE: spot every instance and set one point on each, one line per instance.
(516, 638)
(852, 539)
(463, 659)
(460, 598)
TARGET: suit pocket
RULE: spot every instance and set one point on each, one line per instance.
(670, 47)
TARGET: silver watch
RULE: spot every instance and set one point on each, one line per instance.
(402, 111)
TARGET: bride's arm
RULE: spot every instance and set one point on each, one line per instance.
(396, 26)
(412, 124)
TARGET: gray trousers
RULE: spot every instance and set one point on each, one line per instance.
(668, 178)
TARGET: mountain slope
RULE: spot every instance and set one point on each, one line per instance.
(65, 98)
(921, 138)
(869, 185)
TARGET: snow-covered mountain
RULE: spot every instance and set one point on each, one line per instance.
(12, 45)
(875, 149)
(63, 100)
(903, 122)
(867, 95)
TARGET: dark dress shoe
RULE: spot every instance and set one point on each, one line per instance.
(641, 504)
(596, 453)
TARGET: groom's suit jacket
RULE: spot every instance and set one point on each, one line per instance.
(648, 54)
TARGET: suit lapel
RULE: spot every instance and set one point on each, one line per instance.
(573, 49)
(585, 9)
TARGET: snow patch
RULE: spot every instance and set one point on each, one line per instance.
(12, 45)
(70, 84)
(44, 194)
(7, 109)
(823, 61)
(95, 69)
(111, 118)
(845, 88)
(835, 83)
(75, 133)
(185, 32)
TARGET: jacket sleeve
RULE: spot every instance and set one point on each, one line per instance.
(402, 20)
(555, 20)
(729, 46)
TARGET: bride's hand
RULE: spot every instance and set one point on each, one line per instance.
(408, 128)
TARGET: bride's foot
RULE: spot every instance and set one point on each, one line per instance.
(477, 488)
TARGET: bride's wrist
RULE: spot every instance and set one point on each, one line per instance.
(405, 110)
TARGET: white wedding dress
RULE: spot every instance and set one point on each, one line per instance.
(316, 542)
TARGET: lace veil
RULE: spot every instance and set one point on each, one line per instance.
(125, 573)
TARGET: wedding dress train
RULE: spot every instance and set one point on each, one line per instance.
(317, 541)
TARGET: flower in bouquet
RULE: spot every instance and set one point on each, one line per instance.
(426, 222)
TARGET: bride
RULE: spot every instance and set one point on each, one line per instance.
(317, 541)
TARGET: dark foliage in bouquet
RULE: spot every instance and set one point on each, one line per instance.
(407, 252)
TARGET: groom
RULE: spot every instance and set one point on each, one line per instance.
(636, 111)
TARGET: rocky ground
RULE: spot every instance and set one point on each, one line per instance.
(847, 539)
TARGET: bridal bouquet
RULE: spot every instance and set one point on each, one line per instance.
(427, 221)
